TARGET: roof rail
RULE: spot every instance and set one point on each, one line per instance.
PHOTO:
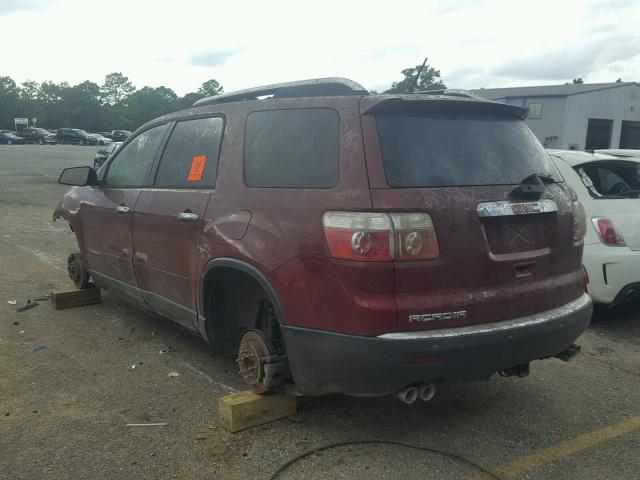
(316, 87)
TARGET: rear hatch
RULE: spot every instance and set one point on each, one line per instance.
(503, 252)
(615, 184)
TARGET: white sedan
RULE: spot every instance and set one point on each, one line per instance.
(609, 189)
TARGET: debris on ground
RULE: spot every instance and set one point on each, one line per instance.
(27, 306)
(169, 349)
(42, 298)
(132, 367)
(161, 424)
(11, 302)
(38, 348)
(173, 374)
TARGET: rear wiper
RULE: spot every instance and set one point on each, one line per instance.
(532, 186)
(629, 193)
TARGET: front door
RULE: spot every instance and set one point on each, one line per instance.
(168, 218)
(107, 215)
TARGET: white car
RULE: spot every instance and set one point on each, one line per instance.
(609, 189)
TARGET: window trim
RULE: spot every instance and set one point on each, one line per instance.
(130, 139)
(156, 163)
(244, 147)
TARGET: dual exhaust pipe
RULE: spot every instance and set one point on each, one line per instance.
(424, 392)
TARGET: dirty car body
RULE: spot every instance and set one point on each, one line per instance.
(372, 242)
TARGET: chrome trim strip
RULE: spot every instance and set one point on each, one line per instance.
(494, 327)
(506, 208)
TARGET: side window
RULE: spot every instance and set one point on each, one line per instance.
(292, 148)
(131, 166)
(190, 158)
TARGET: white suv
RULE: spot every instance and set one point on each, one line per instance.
(609, 189)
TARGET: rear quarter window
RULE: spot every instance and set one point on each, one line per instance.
(442, 150)
(292, 148)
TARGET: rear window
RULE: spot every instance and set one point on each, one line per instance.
(442, 150)
(611, 179)
(190, 158)
(292, 148)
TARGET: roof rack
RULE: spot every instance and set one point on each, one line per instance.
(316, 87)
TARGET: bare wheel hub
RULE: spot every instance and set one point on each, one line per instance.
(77, 272)
(254, 352)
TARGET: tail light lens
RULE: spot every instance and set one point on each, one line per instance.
(579, 229)
(380, 236)
(607, 232)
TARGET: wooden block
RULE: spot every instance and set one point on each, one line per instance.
(247, 409)
(75, 298)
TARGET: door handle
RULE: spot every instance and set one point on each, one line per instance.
(188, 216)
(122, 209)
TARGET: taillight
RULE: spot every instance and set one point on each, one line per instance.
(415, 236)
(607, 232)
(579, 227)
(380, 236)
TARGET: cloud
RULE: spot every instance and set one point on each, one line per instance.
(212, 58)
(571, 62)
(10, 6)
(611, 6)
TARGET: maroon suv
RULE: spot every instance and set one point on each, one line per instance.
(338, 241)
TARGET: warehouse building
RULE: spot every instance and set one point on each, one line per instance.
(578, 117)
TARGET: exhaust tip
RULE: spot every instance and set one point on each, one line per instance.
(426, 392)
(407, 395)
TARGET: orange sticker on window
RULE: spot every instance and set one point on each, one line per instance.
(197, 168)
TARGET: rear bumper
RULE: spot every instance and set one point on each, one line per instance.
(324, 362)
(611, 270)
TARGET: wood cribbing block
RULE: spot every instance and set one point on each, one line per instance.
(75, 298)
(247, 409)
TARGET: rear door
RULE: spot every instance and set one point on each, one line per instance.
(168, 218)
(501, 254)
(615, 187)
(107, 213)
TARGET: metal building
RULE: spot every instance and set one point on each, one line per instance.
(578, 117)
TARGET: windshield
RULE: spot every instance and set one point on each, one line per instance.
(77, 130)
(440, 149)
(611, 179)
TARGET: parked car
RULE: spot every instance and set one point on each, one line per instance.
(609, 189)
(337, 241)
(76, 136)
(9, 138)
(38, 135)
(100, 139)
(106, 135)
(120, 135)
(104, 154)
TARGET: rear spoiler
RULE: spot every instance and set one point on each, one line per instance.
(437, 102)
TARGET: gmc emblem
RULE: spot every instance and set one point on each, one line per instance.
(427, 317)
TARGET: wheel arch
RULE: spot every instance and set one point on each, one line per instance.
(216, 265)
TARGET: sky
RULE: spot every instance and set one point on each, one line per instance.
(181, 44)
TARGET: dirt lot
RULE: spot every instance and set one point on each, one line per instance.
(64, 408)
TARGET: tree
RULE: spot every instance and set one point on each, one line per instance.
(210, 88)
(429, 80)
(9, 104)
(29, 90)
(148, 103)
(116, 88)
(578, 81)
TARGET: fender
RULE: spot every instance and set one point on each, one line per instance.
(244, 267)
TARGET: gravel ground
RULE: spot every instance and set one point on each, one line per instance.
(64, 408)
